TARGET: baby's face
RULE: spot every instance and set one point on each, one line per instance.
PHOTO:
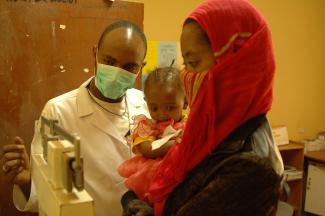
(165, 102)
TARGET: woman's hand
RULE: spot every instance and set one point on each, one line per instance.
(138, 207)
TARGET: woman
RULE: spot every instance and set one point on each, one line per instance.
(226, 163)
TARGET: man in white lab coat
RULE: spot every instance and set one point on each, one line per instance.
(100, 112)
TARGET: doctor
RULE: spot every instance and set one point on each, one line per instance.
(100, 112)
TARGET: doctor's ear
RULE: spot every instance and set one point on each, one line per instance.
(143, 64)
(95, 54)
(95, 50)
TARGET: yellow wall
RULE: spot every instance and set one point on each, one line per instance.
(163, 19)
(298, 30)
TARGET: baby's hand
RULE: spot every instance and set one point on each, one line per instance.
(147, 152)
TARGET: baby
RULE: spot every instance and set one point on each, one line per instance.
(151, 139)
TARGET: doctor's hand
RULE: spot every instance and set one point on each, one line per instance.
(16, 164)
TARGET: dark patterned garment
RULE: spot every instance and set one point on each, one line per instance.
(231, 181)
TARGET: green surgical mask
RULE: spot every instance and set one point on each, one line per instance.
(112, 81)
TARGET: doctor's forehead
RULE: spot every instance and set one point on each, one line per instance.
(122, 43)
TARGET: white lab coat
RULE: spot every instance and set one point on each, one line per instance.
(103, 148)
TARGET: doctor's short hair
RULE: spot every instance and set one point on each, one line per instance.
(123, 24)
(165, 76)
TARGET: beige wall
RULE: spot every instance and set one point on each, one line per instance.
(299, 40)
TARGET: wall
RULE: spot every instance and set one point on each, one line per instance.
(163, 19)
(298, 33)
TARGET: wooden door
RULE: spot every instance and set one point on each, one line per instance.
(46, 50)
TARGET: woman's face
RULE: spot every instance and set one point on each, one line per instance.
(196, 50)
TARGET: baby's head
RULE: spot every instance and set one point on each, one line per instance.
(164, 94)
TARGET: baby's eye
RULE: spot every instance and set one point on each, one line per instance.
(153, 109)
(193, 64)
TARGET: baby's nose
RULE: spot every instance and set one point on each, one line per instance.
(163, 116)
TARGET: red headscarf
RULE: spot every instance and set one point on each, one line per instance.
(233, 91)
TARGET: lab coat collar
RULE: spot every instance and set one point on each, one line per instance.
(84, 106)
(134, 100)
(104, 123)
